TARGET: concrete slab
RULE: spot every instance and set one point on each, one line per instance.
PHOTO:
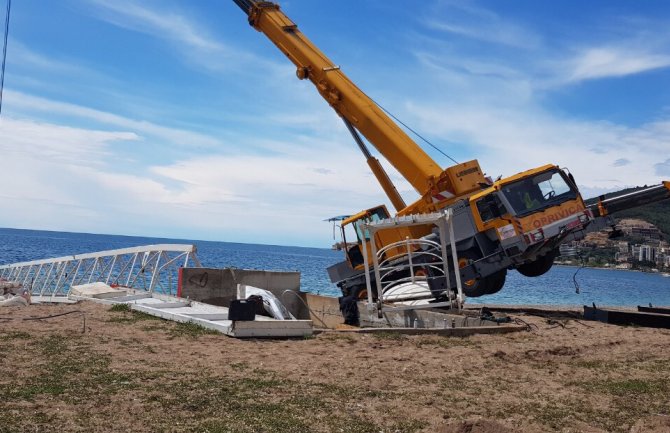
(206, 315)
(51, 300)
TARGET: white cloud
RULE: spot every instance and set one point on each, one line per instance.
(42, 166)
(23, 56)
(602, 62)
(39, 105)
(499, 105)
(65, 178)
(189, 37)
(56, 143)
(509, 141)
(476, 22)
(161, 23)
(272, 180)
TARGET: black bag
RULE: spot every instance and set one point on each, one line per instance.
(242, 310)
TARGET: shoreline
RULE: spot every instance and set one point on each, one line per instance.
(609, 268)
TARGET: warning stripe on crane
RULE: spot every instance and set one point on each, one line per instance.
(442, 195)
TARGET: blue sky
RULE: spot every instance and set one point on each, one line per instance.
(176, 119)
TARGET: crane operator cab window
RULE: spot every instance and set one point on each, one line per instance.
(491, 207)
(539, 192)
(354, 230)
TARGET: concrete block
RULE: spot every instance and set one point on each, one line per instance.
(325, 311)
(218, 286)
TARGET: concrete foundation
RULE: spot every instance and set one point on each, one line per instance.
(217, 286)
(325, 313)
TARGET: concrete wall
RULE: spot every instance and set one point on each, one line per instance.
(325, 311)
(218, 286)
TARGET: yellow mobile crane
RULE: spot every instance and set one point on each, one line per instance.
(513, 223)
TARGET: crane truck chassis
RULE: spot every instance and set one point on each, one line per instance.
(516, 222)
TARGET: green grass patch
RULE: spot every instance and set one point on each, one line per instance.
(15, 335)
(239, 366)
(190, 330)
(120, 308)
(72, 372)
(264, 401)
(132, 316)
(625, 388)
(596, 364)
(389, 335)
(153, 327)
(657, 366)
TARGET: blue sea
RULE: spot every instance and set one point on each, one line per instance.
(557, 287)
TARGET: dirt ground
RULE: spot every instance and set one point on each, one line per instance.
(132, 372)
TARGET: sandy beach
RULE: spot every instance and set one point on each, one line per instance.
(132, 372)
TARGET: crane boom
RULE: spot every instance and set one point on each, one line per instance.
(344, 96)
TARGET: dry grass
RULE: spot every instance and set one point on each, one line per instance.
(131, 372)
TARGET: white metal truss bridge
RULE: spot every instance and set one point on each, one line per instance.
(153, 268)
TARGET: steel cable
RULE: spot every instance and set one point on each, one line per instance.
(413, 131)
(4, 53)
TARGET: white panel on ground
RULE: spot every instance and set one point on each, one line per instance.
(206, 315)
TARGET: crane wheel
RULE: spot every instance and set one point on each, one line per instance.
(477, 287)
(486, 286)
(496, 282)
(361, 292)
(539, 266)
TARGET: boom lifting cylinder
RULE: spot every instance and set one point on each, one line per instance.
(378, 170)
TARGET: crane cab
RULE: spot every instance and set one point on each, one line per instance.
(353, 233)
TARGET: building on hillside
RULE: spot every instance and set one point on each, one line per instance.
(569, 250)
(623, 247)
(640, 229)
(644, 252)
(622, 257)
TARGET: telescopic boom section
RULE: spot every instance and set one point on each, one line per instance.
(343, 95)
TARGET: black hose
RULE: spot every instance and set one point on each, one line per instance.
(53, 315)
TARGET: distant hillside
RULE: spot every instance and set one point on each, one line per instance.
(656, 213)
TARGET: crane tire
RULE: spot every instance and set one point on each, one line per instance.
(539, 266)
(480, 286)
(486, 286)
